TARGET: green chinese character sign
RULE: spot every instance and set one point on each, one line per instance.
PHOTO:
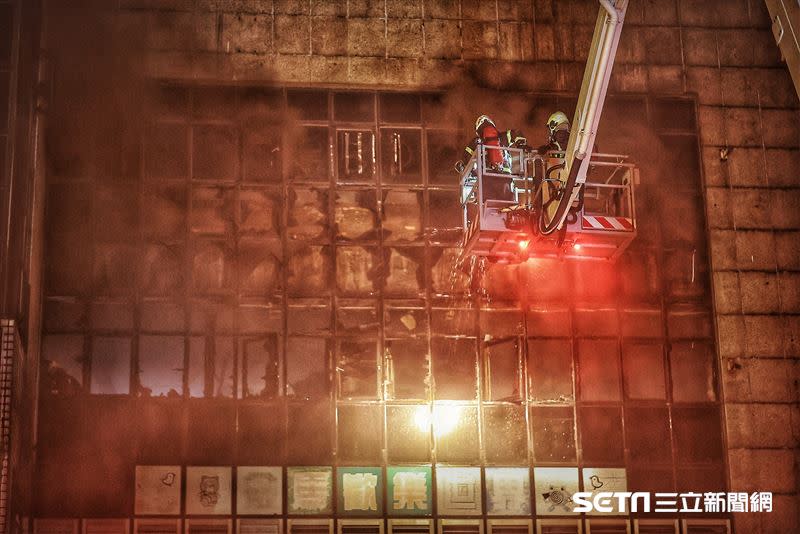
(409, 490)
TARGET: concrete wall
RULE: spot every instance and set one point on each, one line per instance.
(720, 50)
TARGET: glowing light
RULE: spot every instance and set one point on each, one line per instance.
(523, 244)
(446, 418)
(576, 246)
(422, 418)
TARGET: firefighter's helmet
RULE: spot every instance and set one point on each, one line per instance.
(557, 121)
(483, 119)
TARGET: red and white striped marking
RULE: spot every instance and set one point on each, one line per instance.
(596, 222)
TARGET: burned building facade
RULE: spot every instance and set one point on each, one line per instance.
(241, 230)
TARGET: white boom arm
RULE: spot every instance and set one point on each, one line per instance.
(590, 106)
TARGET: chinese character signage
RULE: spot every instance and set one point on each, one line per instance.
(604, 480)
(409, 490)
(259, 490)
(360, 490)
(309, 490)
(208, 490)
(158, 490)
(508, 491)
(554, 487)
(458, 490)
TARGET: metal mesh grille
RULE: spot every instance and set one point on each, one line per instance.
(8, 345)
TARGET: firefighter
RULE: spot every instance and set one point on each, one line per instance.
(496, 160)
(558, 132)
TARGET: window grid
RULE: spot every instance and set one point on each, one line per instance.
(230, 296)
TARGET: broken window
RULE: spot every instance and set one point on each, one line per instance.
(357, 368)
(356, 215)
(598, 370)
(456, 319)
(309, 270)
(643, 371)
(308, 214)
(354, 107)
(360, 433)
(260, 316)
(444, 149)
(692, 367)
(212, 266)
(211, 366)
(550, 370)
(498, 322)
(213, 210)
(215, 152)
(401, 156)
(404, 271)
(307, 367)
(553, 431)
(259, 212)
(402, 215)
(258, 265)
(357, 317)
(455, 427)
(162, 269)
(357, 270)
(454, 368)
(160, 366)
(450, 274)
(356, 161)
(62, 364)
(262, 154)
(445, 218)
(311, 317)
(409, 433)
(260, 368)
(110, 366)
(407, 368)
(405, 318)
(504, 432)
(502, 380)
(309, 153)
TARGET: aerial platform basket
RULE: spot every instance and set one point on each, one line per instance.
(502, 210)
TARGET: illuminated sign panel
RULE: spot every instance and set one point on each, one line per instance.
(259, 490)
(508, 491)
(360, 490)
(409, 490)
(458, 490)
(309, 490)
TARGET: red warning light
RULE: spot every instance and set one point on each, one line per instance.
(523, 244)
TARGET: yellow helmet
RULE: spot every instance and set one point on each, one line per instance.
(482, 119)
(557, 119)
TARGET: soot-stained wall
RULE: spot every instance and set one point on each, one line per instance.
(197, 213)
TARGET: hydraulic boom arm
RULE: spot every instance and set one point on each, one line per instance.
(587, 113)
